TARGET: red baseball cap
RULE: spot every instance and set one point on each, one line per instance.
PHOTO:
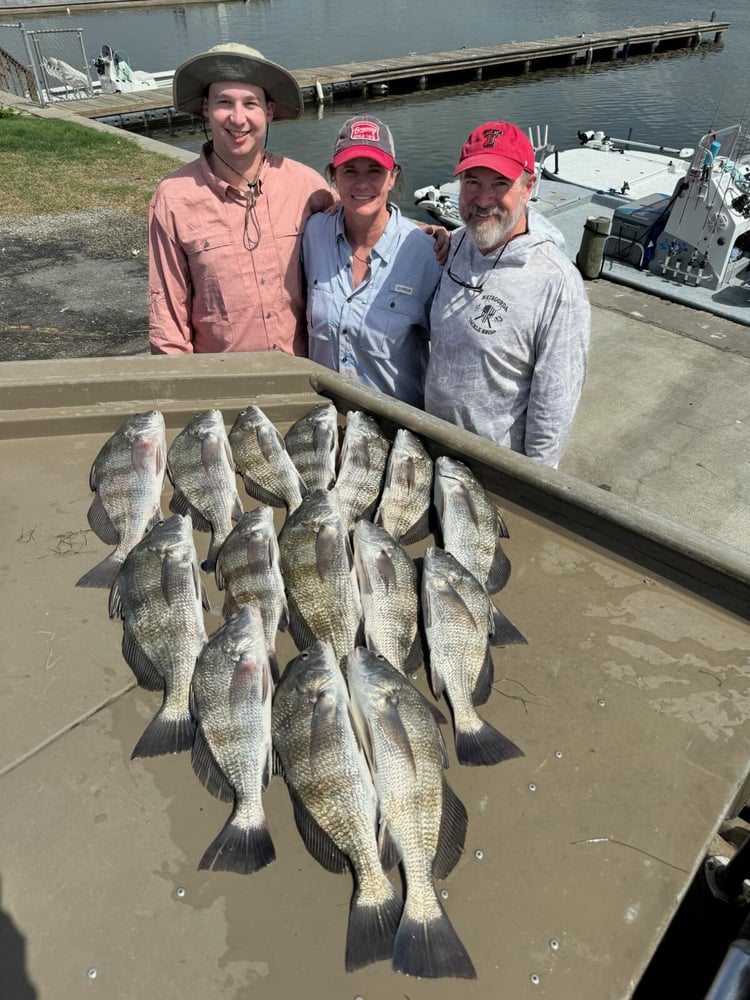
(364, 135)
(499, 146)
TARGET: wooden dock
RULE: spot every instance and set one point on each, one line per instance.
(416, 71)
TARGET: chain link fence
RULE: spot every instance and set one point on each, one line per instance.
(44, 66)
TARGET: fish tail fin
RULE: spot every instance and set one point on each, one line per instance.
(166, 734)
(484, 745)
(240, 848)
(372, 929)
(430, 949)
(103, 574)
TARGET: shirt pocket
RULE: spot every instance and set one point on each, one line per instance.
(391, 320)
(210, 258)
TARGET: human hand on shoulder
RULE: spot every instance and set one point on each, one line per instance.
(442, 239)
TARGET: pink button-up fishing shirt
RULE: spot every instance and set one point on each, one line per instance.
(207, 292)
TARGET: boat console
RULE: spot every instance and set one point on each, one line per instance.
(701, 234)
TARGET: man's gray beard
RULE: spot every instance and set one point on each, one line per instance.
(489, 231)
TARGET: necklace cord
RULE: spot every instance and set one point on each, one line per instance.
(251, 216)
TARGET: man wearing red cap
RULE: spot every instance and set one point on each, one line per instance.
(510, 320)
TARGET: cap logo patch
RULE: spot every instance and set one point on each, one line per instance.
(490, 135)
(366, 131)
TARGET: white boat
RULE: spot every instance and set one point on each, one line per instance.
(622, 168)
(58, 80)
(115, 76)
(618, 166)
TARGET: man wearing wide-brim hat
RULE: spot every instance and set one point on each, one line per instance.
(225, 230)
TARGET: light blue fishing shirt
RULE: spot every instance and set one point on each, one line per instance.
(378, 332)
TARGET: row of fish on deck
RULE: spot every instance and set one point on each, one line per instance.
(358, 744)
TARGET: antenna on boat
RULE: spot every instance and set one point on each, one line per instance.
(541, 147)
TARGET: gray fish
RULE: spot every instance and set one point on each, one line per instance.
(389, 591)
(261, 458)
(364, 454)
(407, 493)
(159, 596)
(231, 696)
(471, 525)
(458, 618)
(317, 566)
(127, 478)
(201, 468)
(424, 817)
(313, 445)
(249, 571)
(335, 804)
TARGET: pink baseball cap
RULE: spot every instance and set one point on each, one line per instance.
(499, 146)
(364, 136)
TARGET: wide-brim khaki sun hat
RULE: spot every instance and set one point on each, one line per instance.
(240, 64)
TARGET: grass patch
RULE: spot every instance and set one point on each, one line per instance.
(51, 167)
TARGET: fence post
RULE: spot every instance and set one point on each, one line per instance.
(33, 65)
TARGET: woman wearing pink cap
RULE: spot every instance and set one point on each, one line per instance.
(371, 273)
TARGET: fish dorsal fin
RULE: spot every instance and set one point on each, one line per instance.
(101, 523)
(146, 674)
(453, 823)
(179, 504)
(499, 573)
(387, 848)
(317, 841)
(208, 771)
(483, 686)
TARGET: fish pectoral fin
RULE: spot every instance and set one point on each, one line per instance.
(393, 727)
(386, 571)
(270, 442)
(323, 714)
(101, 523)
(317, 841)
(437, 715)
(208, 771)
(452, 836)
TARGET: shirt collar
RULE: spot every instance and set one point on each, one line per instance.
(223, 189)
(385, 245)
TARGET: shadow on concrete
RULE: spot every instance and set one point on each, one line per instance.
(13, 976)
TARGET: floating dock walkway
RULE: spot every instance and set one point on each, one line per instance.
(416, 71)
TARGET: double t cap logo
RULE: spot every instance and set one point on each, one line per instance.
(490, 134)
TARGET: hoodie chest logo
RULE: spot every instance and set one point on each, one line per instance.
(490, 315)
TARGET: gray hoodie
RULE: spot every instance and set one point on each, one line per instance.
(508, 360)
